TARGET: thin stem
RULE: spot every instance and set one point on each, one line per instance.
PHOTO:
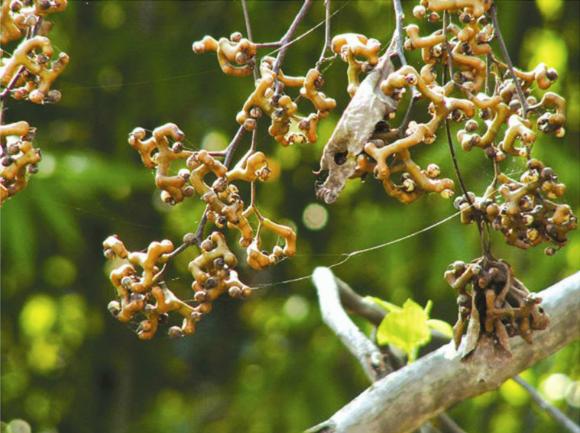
(286, 38)
(452, 148)
(399, 21)
(200, 227)
(400, 51)
(326, 31)
(249, 31)
(247, 20)
(455, 163)
(198, 235)
(508, 60)
(447, 48)
(481, 224)
(558, 416)
(407, 117)
(449, 424)
(253, 183)
(231, 149)
(276, 44)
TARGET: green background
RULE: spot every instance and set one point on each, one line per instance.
(267, 364)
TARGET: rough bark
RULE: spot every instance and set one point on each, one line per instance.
(404, 400)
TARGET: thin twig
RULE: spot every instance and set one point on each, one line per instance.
(268, 44)
(197, 237)
(407, 117)
(485, 246)
(399, 21)
(234, 144)
(447, 48)
(3, 143)
(249, 32)
(558, 416)
(286, 38)
(450, 425)
(508, 60)
(326, 32)
(359, 305)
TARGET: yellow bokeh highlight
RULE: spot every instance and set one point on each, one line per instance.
(550, 9)
(546, 46)
(38, 315)
(514, 394)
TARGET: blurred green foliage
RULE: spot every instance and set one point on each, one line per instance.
(267, 364)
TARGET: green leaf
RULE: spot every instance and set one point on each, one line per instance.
(441, 326)
(387, 306)
(407, 329)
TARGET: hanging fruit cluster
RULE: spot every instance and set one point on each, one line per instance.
(182, 174)
(26, 74)
(501, 116)
(461, 80)
(492, 300)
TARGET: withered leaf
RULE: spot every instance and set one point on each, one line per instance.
(356, 125)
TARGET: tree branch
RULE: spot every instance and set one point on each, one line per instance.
(400, 402)
(333, 314)
(356, 304)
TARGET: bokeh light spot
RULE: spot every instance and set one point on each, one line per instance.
(555, 386)
(550, 9)
(38, 315)
(573, 394)
(296, 308)
(59, 271)
(112, 15)
(315, 216)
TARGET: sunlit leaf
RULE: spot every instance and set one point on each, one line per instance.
(406, 329)
(441, 326)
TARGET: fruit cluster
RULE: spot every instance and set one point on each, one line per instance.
(492, 301)
(27, 74)
(182, 174)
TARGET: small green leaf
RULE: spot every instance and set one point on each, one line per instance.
(407, 329)
(441, 326)
(387, 306)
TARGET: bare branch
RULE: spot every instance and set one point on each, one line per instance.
(359, 305)
(400, 403)
(326, 31)
(364, 350)
(399, 20)
(559, 416)
(374, 314)
(249, 32)
(288, 37)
